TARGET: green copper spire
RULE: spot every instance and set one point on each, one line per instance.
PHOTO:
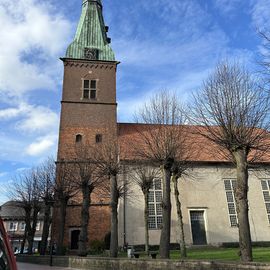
(91, 41)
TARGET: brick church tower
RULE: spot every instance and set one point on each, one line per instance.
(88, 110)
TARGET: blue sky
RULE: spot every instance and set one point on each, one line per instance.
(162, 44)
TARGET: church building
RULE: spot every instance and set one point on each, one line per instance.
(89, 112)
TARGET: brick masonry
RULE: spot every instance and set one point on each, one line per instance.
(88, 118)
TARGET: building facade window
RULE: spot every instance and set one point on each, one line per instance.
(155, 205)
(266, 196)
(89, 89)
(22, 226)
(78, 138)
(230, 185)
(98, 138)
(13, 226)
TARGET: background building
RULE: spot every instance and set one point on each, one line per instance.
(13, 218)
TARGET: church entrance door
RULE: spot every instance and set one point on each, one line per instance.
(74, 243)
(198, 227)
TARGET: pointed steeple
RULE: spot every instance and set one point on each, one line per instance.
(91, 41)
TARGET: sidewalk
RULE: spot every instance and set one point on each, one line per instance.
(28, 266)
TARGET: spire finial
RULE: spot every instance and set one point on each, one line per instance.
(97, 1)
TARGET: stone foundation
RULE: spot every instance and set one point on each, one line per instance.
(95, 263)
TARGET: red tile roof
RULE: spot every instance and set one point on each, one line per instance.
(204, 150)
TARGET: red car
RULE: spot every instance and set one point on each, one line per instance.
(7, 259)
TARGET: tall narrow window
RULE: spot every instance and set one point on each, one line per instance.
(98, 138)
(22, 226)
(155, 205)
(13, 226)
(266, 196)
(78, 138)
(90, 89)
(229, 185)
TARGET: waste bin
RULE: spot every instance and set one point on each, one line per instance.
(130, 251)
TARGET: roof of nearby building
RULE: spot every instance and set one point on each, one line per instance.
(12, 210)
(203, 149)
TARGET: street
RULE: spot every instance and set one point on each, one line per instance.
(27, 266)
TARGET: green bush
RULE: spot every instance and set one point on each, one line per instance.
(96, 247)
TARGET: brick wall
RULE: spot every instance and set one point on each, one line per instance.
(88, 118)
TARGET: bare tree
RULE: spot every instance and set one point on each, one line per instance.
(265, 53)
(87, 180)
(46, 173)
(26, 191)
(108, 160)
(159, 143)
(143, 176)
(234, 112)
(180, 169)
(65, 189)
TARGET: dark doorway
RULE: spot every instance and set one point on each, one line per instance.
(75, 239)
(198, 227)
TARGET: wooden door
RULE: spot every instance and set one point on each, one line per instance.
(198, 227)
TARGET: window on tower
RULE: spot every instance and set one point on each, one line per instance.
(78, 138)
(98, 138)
(89, 89)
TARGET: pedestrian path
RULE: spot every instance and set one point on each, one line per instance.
(28, 266)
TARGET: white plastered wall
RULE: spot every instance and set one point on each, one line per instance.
(203, 190)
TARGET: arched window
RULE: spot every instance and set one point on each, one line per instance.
(78, 138)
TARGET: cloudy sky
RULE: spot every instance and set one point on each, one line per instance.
(162, 44)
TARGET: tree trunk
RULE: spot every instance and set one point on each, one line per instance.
(146, 234)
(183, 250)
(114, 217)
(61, 229)
(164, 247)
(83, 238)
(46, 228)
(241, 197)
(32, 232)
(30, 240)
(28, 223)
(23, 241)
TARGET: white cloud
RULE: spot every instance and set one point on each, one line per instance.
(228, 7)
(31, 118)
(39, 119)
(31, 36)
(9, 113)
(149, 53)
(11, 147)
(41, 146)
(260, 10)
(2, 174)
(33, 132)
(183, 85)
(22, 169)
